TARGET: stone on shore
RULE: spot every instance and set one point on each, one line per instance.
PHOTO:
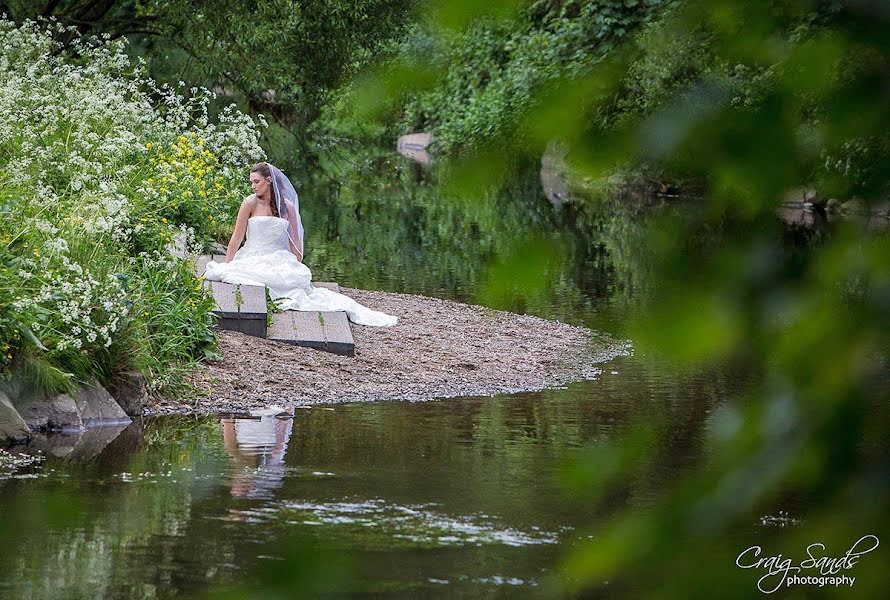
(57, 413)
(12, 427)
(555, 173)
(91, 405)
(97, 407)
(415, 146)
(130, 391)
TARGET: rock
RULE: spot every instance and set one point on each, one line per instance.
(97, 407)
(414, 146)
(880, 217)
(855, 206)
(91, 405)
(12, 427)
(555, 173)
(833, 204)
(50, 414)
(414, 141)
(130, 391)
(881, 209)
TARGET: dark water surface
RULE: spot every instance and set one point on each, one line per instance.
(462, 494)
(455, 497)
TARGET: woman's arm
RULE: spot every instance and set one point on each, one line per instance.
(247, 207)
(292, 231)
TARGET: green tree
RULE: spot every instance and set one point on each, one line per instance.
(277, 58)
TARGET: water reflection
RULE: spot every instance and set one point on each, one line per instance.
(447, 241)
(461, 495)
(257, 446)
(76, 446)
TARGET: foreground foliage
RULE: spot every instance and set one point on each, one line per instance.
(751, 99)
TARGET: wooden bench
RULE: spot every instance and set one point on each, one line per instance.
(243, 308)
(321, 330)
(238, 307)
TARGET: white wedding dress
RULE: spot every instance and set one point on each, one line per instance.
(265, 260)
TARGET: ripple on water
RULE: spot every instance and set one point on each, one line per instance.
(377, 522)
(12, 463)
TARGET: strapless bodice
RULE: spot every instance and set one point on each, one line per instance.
(265, 234)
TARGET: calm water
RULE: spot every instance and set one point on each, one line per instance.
(454, 497)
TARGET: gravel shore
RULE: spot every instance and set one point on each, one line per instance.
(439, 349)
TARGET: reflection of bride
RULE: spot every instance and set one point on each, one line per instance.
(273, 253)
(257, 448)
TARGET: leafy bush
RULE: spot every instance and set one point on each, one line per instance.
(101, 171)
(491, 72)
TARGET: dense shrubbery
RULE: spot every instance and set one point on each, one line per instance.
(101, 171)
(669, 64)
(484, 86)
(491, 72)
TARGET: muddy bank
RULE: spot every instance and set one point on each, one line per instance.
(439, 349)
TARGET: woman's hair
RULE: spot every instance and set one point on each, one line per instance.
(264, 171)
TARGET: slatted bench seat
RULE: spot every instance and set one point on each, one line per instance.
(243, 308)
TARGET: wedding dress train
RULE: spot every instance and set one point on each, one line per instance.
(265, 260)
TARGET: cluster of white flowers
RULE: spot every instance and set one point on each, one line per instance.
(158, 261)
(184, 243)
(80, 309)
(77, 125)
(73, 126)
(235, 139)
(853, 158)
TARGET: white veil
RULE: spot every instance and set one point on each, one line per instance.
(284, 190)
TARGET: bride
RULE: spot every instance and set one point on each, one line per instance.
(273, 253)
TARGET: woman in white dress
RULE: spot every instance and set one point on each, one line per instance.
(273, 252)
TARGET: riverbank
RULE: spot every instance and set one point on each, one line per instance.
(439, 349)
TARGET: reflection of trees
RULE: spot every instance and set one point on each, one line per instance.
(75, 540)
(383, 229)
(500, 455)
(475, 456)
